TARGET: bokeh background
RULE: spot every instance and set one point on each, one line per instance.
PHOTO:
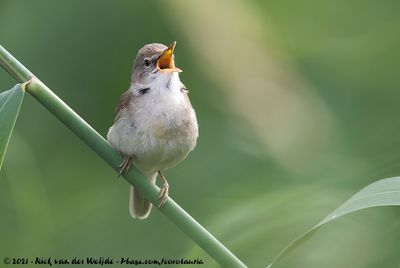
(298, 106)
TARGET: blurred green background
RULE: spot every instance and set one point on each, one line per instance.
(298, 106)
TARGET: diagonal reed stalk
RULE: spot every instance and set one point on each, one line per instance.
(96, 142)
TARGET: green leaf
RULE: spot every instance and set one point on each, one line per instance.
(384, 192)
(10, 103)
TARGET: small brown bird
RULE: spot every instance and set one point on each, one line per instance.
(155, 126)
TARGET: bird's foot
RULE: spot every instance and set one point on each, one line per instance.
(163, 195)
(125, 165)
(164, 191)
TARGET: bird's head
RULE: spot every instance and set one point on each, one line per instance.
(154, 62)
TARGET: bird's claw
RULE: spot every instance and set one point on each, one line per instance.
(163, 195)
(125, 165)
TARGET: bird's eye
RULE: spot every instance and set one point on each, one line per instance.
(147, 63)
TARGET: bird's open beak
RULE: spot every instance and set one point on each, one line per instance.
(166, 60)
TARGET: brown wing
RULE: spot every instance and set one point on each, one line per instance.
(124, 101)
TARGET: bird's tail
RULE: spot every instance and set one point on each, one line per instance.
(139, 207)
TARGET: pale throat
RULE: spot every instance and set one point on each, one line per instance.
(167, 83)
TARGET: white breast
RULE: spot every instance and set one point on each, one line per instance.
(160, 130)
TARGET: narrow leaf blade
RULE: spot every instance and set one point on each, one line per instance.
(10, 103)
(384, 192)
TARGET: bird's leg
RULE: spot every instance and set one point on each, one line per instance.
(163, 195)
(125, 165)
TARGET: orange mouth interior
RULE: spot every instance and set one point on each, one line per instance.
(166, 60)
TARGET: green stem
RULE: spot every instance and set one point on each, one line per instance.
(13, 67)
(95, 141)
